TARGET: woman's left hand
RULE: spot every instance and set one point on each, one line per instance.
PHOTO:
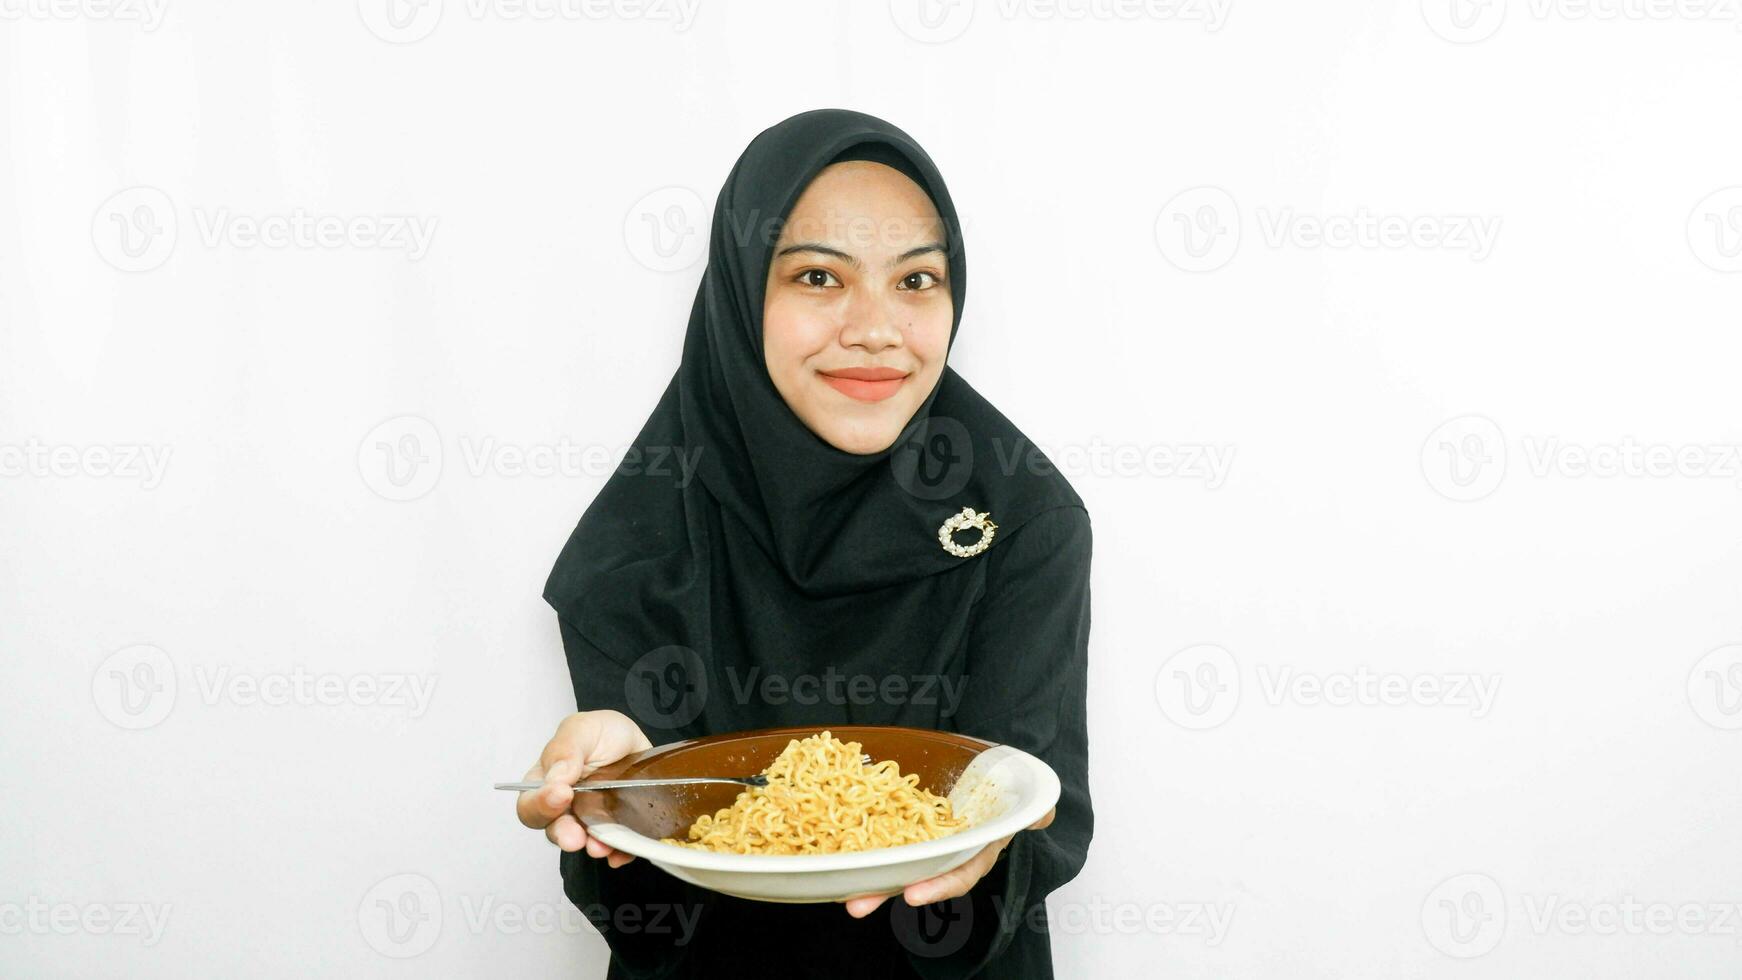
(948, 885)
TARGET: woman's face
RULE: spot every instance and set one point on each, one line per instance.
(856, 323)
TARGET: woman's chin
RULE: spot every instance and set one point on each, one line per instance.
(860, 439)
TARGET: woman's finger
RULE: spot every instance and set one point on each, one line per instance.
(617, 859)
(567, 833)
(957, 881)
(538, 807)
(864, 905)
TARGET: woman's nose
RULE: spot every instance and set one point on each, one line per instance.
(871, 326)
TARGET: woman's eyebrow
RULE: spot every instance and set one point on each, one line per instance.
(822, 249)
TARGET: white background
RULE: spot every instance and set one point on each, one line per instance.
(1365, 392)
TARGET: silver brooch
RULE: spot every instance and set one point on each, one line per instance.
(961, 522)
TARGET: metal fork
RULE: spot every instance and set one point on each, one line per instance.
(633, 783)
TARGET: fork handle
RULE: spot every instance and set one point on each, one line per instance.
(632, 783)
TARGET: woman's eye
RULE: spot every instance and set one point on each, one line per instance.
(816, 277)
(919, 280)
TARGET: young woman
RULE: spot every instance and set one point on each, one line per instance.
(843, 532)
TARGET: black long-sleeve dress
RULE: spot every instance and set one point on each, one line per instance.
(1011, 668)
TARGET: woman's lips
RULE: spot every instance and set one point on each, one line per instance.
(865, 384)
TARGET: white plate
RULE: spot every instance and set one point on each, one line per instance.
(1002, 791)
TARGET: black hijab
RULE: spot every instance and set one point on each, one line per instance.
(773, 522)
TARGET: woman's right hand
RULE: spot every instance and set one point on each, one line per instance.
(584, 742)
